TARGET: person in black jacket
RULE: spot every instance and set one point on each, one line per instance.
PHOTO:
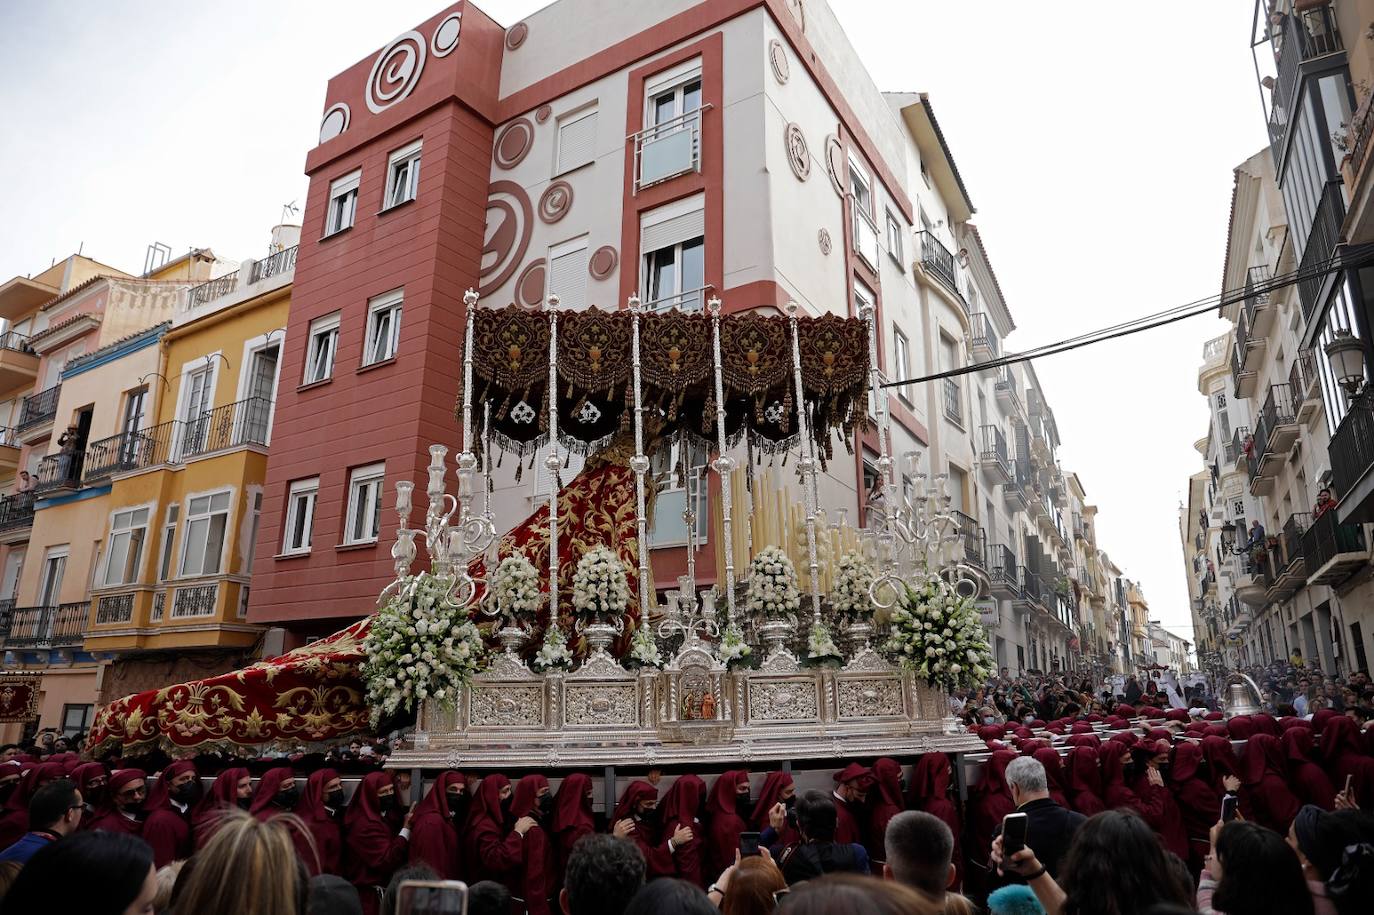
(818, 853)
(1048, 825)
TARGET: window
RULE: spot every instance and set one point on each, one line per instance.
(128, 530)
(403, 175)
(383, 328)
(953, 395)
(198, 389)
(894, 240)
(323, 343)
(207, 523)
(253, 534)
(300, 516)
(343, 202)
(666, 103)
(576, 140)
(670, 143)
(568, 273)
(674, 261)
(679, 482)
(864, 230)
(859, 188)
(901, 363)
(76, 719)
(169, 533)
(364, 521)
(54, 567)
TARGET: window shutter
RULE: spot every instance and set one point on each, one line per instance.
(673, 231)
(568, 278)
(576, 142)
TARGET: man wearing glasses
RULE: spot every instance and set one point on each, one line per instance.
(122, 810)
(54, 811)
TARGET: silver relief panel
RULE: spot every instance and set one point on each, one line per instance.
(507, 706)
(783, 700)
(600, 704)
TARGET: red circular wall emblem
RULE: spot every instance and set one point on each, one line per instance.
(529, 288)
(509, 224)
(516, 35)
(543, 113)
(603, 262)
(555, 202)
(514, 143)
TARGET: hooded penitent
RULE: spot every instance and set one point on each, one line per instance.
(371, 852)
(222, 796)
(433, 832)
(168, 826)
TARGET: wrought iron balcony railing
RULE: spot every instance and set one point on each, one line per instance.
(971, 534)
(983, 335)
(1352, 447)
(246, 422)
(214, 289)
(1001, 565)
(59, 471)
(130, 451)
(937, 260)
(994, 447)
(39, 408)
(1321, 246)
(16, 342)
(1331, 551)
(953, 401)
(16, 511)
(58, 626)
(269, 267)
(1298, 37)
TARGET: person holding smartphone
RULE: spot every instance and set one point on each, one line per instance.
(1048, 827)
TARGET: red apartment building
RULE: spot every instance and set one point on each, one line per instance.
(675, 149)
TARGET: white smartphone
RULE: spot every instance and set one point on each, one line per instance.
(432, 897)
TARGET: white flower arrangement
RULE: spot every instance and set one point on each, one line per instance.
(938, 634)
(599, 585)
(820, 644)
(644, 649)
(516, 588)
(849, 592)
(772, 589)
(732, 646)
(420, 646)
(554, 653)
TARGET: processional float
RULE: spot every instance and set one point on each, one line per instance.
(747, 670)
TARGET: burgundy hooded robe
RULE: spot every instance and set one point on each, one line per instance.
(653, 844)
(1084, 781)
(1344, 758)
(167, 828)
(222, 796)
(492, 850)
(83, 775)
(323, 827)
(573, 818)
(723, 822)
(1198, 800)
(989, 802)
(887, 775)
(1054, 775)
(1308, 780)
(433, 835)
(929, 791)
(681, 806)
(108, 816)
(770, 795)
(532, 881)
(370, 851)
(15, 822)
(262, 806)
(847, 828)
(1264, 794)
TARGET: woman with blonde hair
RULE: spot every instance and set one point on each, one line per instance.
(249, 865)
(753, 887)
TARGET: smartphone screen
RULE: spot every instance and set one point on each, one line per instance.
(748, 844)
(1013, 834)
(432, 897)
(1229, 805)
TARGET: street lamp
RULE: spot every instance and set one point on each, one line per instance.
(1345, 353)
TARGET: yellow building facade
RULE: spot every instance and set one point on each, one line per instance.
(179, 524)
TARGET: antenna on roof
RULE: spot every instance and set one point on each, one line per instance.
(156, 256)
(288, 210)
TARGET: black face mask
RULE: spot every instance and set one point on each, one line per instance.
(505, 805)
(188, 793)
(387, 803)
(334, 798)
(133, 808)
(1129, 771)
(650, 815)
(544, 805)
(1163, 769)
(790, 802)
(245, 802)
(457, 803)
(287, 799)
(744, 806)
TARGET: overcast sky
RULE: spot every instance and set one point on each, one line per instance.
(1096, 140)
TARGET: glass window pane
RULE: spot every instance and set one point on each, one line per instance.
(214, 546)
(194, 559)
(693, 264)
(665, 108)
(691, 96)
(219, 502)
(200, 505)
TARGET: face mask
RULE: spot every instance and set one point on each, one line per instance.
(387, 803)
(334, 798)
(505, 804)
(988, 719)
(743, 805)
(649, 816)
(245, 802)
(1163, 769)
(131, 807)
(544, 805)
(790, 802)
(456, 803)
(287, 799)
(188, 793)
(1128, 771)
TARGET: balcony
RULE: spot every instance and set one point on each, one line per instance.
(246, 422)
(1352, 455)
(114, 608)
(1321, 247)
(18, 364)
(1276, 431)
(194, 600)
(61, 626)
(16, 512)
(1304, 385)
(863, 232)
(1299, 38)
(1258, 308)
(131, 451)
(937, 261)
(1242, 443)
(1333, 551)
(1016, 494)
(1002, 574)
(35, 419)
(1287, 564)
(1005, 391)
(1027, 596)
(59, 473)
(9, 452)
(206, 293)
(1246, 357)
(669, 149)
(269, 267)
(992, 456)
(953, 400)
(971, 535)
(983, 337)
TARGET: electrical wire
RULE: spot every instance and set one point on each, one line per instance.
(1343, 259)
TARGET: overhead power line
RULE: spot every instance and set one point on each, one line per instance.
(1344, 259)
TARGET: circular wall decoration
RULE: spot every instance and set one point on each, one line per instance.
(555, 202)
(798, 12)
(509, 224)
(396, 72)
(602, 262)
(823, 237)
(777, 58)
(529, 288)
(445, 37)
(798, 156)
(516, 35)
(543, 113)
(834, 163)
(513, 143)
(335, 121)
